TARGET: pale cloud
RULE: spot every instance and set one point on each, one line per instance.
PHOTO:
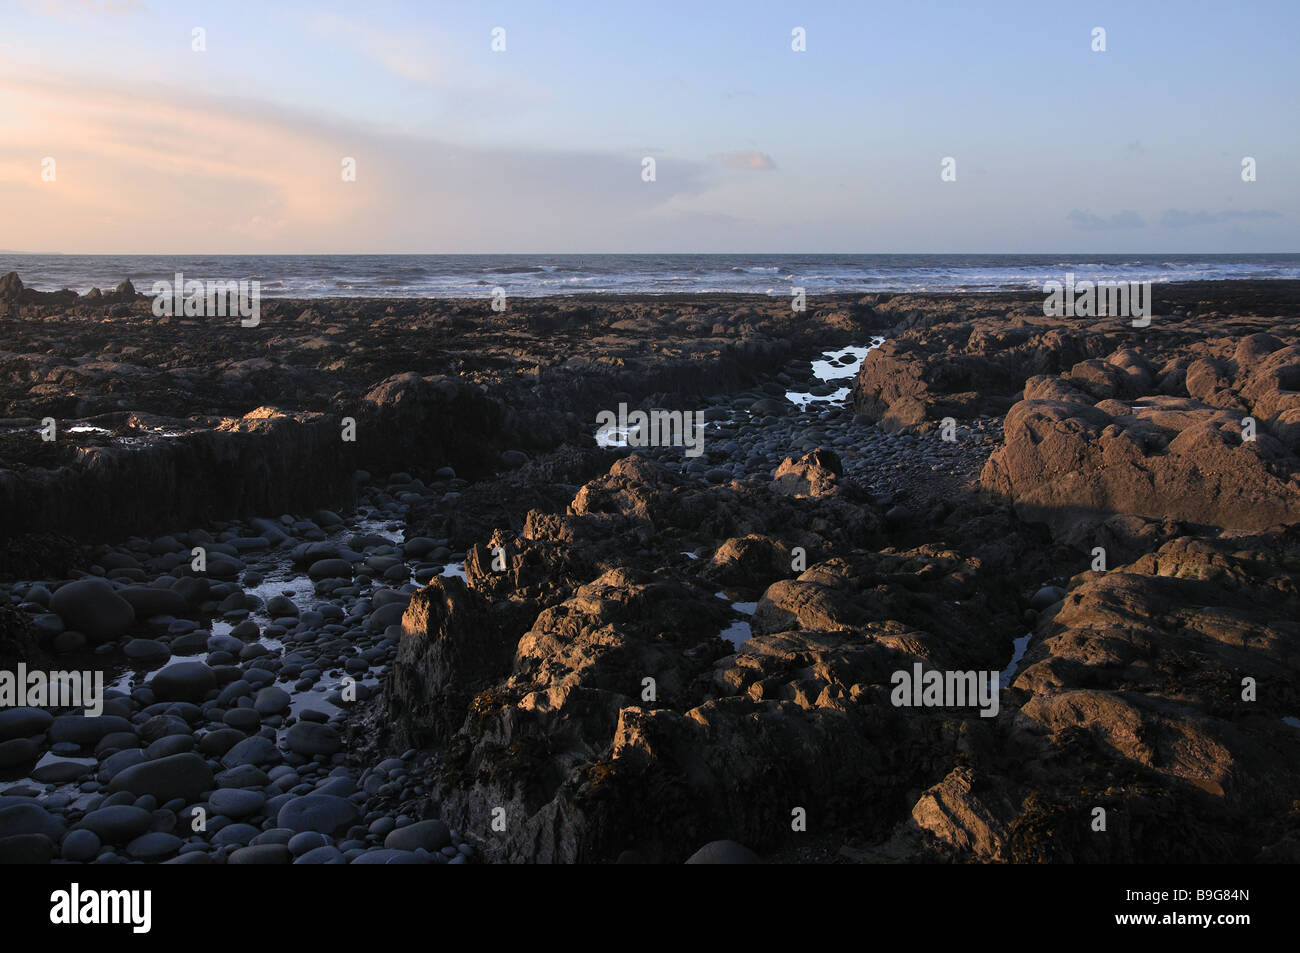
(748, 160)
(151, 170)
(1178, 218)
(84, 9)
(125, 150)
(435, 62)
(407, 55)
(1088, 222)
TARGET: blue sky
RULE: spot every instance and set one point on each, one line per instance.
(539, 148)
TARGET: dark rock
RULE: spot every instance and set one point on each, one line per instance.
(93, 607)
(323, 813)
(118, 824)
(29, 819)
(180, 775)
(26, 849)
(184, 681)
(261, 854)
(23, 722)
(308, 739)
(724, 852)
(432, 835)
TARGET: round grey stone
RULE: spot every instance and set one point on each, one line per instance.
(184, 681)
(93, 607)
(118, 824)
(153, 846)
(237, 802)
(261, 854)
(80, 845)
(324, 813)
(432, 835)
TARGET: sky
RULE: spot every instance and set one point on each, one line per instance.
(118, 136)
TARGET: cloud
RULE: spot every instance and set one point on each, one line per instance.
(747, 160)
(1088, 222)
(1178, 218)
(81, 9)
(433, 61)
(405, 54)
(143, 169)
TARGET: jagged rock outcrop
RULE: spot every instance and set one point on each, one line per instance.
(626, 723)
(914, 380)
(1089, 444)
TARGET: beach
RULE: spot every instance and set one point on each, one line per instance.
(445, 616)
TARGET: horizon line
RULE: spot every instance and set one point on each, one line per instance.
(662, 254)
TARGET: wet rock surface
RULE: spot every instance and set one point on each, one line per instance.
(219, 736)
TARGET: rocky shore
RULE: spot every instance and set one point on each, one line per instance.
(473, 635)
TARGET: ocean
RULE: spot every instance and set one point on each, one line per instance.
(447, 276)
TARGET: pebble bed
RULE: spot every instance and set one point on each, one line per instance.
(299, 612)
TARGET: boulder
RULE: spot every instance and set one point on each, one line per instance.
(184, 681)
(93, 607)
(432, 835)
(323, 813)
(184, 776)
